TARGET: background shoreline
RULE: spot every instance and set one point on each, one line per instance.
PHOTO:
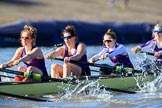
(83, 10)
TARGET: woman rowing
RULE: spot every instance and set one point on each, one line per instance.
(154, 45)
(72, 50)
(31, 55)
(115, 51)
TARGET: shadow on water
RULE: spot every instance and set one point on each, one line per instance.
(22, 2)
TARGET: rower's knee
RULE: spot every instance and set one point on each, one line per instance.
(29, 68)
(21, 69)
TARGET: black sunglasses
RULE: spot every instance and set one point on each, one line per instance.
(67, 37)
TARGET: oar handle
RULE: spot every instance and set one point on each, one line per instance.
(102, 57)
(25, 74)
(90, 64)
(7, 66)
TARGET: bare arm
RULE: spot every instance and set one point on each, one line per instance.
(98, 55)
(35, 53)
(58, 52)
(16, 56)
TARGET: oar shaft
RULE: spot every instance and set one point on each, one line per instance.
(22, 97)
(118, 90)
(6, 76)
(90, 64)
(73, 61)
(148, 53)
(11, 71)
(34, 75)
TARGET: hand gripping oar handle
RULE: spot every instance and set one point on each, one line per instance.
(148, 53)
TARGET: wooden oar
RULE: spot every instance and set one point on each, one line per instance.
(6, 76)
(23, 97)
(94, 70)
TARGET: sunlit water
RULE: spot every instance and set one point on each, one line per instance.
(150, 95)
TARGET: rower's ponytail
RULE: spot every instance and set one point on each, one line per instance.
(32, 31)
(111, 33)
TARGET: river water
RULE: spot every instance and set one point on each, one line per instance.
(104, 99)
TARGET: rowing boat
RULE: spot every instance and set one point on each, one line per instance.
(55, 86)
(117, 82)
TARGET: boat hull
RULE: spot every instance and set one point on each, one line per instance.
(40, 88)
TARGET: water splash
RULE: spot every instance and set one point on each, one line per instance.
(91, 90)
(153, 86)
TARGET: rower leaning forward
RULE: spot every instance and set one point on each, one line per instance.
(116, 52)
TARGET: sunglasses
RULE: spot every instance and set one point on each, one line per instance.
(157, 31)
(67, 37)
(25, 38)
(108, 41)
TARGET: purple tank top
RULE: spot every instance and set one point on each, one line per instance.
(39, 63)
(85, 68)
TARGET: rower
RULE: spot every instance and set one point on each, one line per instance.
(29, 54)
(153, 46)
(115, 51)
(72, 50)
